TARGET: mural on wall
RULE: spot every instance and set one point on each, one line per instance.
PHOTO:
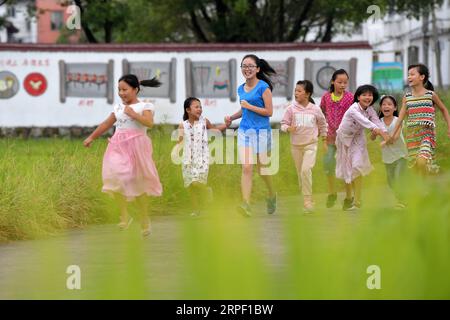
(86, 80)
(163, 71)
(283, 81)
(211, 79)
(35, 84)
(9, 85)
(388, 76)
(319, 72)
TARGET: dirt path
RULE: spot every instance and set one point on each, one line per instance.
(37, 269)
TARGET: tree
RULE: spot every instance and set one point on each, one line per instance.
(100, 19)
(231, 20)
(269, 20)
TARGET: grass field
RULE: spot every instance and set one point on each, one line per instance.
(51, 185)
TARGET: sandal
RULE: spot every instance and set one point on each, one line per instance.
(125, 225)
(148, 231)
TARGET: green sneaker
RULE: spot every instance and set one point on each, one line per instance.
(271, 204)
(331, 200)
(245, 209)
(348, 205)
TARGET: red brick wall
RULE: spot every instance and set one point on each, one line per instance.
(45, 8)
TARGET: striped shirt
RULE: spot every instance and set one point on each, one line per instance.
(420, 110)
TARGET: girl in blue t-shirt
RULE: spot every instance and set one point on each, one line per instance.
(254, 133)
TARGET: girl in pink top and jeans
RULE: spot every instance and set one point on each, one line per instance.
(305, 122)
(334, 104)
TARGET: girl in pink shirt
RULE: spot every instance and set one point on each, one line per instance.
(305, 122)
(334, 104)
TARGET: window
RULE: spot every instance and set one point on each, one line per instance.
(56, 20)
(12, 12)
(413, 55)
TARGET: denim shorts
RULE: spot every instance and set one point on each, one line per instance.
(260, 141)
(329, 161)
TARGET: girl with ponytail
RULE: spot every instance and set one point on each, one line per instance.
(254, 133)
(129, 172)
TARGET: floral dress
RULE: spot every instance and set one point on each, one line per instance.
(195, 163)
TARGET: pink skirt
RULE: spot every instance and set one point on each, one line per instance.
(128, 166)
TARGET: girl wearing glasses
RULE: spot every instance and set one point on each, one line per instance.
(254, 133)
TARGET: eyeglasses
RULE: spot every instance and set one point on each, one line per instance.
(244, 66)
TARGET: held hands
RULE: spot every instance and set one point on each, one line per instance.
(291, 129)
(373, 135)
(228, 121)
(129, 111)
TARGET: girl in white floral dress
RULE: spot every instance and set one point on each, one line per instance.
(195, 164)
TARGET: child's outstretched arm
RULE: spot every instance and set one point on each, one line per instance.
(101, 129)
(220, 127)
(444, 111)
(230, 119)
(398, 126)
(180, 133)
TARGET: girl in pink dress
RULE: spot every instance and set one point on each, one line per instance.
(352, 158)
(129, 172)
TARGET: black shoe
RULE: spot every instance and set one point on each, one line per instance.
(331, 200)
(348, 205)
(271, 204)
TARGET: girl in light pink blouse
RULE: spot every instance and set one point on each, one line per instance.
(305, 122)
(352, 157)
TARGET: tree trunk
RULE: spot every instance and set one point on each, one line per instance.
(281, 9)
(197, 28)
(108, 28)
(87, 31)
(328, 29)
(295, 31)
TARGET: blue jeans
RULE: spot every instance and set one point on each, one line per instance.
(329, 161)
(395, 173)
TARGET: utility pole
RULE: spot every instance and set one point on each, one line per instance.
(437, 48)
(426, 37)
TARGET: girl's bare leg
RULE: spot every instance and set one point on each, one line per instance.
(247, 173)
(266, 178)
(348, 191)
(331, 184)
(121, 201)
(142, 202)
(357, 186)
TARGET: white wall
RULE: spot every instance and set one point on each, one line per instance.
(47, 110)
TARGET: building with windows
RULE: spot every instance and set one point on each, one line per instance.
(51, 19)
(18, 26)
(44, 27)
(396, 38)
